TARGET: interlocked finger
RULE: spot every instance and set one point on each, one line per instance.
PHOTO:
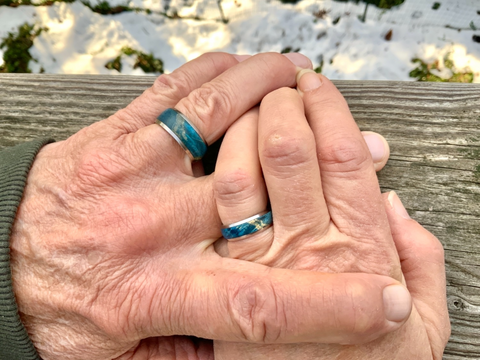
(345, 162)
(286, 151)
(169, 89)
(210, 92)
(240, 191)
(290, 167)
(349, 182)
(214, 106)
(205, 113)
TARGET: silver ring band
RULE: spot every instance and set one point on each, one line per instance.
(248, 226)
(184, 133)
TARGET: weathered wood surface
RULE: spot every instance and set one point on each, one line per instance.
(433, 130)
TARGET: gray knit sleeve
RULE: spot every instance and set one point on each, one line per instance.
(15, 164)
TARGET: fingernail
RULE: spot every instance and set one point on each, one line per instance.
(241, 58)
(308, 80)
(376, 146)
(397, 303)
(397, 205)
(299, 60)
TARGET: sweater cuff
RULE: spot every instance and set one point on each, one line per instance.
(15, 163)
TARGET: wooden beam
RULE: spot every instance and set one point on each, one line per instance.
(433, 130)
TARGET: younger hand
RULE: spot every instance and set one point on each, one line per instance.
(329, 216)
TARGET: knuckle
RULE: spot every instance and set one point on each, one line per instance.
(428, 246)
(274, 68)
(357, 317)
(208, 57)
(172, 86)
(284, 150)
(99, 167)
(235, 187)
(344, 154)
(257, 311)
(207, 103)
(216, 59)
(436, 247)
(181, 82)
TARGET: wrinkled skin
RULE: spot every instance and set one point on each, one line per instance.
(329, 216)
(112, 249)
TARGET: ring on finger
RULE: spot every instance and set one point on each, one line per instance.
(248, 226)
(184, 133)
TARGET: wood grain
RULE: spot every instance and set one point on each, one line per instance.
(433, 130)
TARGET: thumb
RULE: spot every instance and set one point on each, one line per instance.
(234, 300)
(423, 266)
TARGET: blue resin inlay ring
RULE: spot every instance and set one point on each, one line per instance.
(182, 130)
(248, 226)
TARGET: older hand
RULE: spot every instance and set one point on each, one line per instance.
(329, 216)
(112, 253)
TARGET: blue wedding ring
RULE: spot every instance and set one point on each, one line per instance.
(178, 126)
(248, 226)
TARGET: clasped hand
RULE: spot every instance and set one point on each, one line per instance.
(116, 250)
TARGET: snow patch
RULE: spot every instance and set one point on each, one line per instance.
(80, 41)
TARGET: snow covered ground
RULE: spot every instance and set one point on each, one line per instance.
(80, 41)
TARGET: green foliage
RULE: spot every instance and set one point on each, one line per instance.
(289, 49)
(115, 64)
(104, 8)
(319, 68)
(423, 72)
(17, 56)
(128, 51)
(16, 3)
(436, 5)
(387, 4)
(382, 4)
(147, 62)
(289, 1)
